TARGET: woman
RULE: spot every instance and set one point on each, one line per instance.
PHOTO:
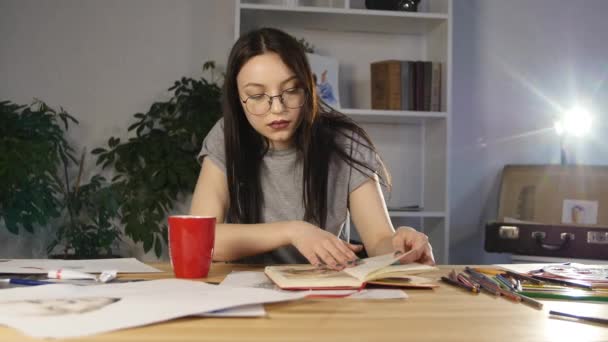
(282, 169)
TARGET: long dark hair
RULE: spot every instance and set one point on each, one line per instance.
(315, 137)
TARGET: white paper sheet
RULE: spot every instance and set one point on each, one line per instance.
(63, 311)
(248, 279)
(42, 266)
(379, 294)
(253, 310)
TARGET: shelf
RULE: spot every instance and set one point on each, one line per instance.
(341, 19)
(414, 144)
(420, 214)
(392, 116)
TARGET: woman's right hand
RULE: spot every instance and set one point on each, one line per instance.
(321, 247)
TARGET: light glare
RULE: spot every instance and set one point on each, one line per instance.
(576, 122)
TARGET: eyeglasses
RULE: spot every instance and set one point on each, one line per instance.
(260, 104)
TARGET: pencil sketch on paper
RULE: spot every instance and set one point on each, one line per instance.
(55, 306)
(298, 272)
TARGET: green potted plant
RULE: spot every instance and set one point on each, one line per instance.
(89, 229)
(36, 191)
(157, 166)
(32, 147)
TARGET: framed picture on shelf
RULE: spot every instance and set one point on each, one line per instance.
(325, 74)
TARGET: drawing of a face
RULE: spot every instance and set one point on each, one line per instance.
(308, 272)
(55, 307)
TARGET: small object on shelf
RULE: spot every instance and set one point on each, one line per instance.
(325, 74)
(393, 5)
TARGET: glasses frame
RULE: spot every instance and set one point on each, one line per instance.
(271, 100)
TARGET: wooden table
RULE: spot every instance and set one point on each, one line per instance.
(443, 314)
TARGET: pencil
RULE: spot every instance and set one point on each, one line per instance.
(488, 286)
(505, 282)
(573, 283)
(465, 280)
(527, 300)
(458, 284)
(524, 277)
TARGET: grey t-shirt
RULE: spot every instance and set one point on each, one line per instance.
(281, 182)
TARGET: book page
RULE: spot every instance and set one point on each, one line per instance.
(370, 265)
(310, 276)
(400, 271)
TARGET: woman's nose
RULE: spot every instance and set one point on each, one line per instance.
(276, 105)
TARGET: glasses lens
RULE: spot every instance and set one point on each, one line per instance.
(290, 98)
(258, 104)
(293, 98)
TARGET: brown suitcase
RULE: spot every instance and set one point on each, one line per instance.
(564, 241)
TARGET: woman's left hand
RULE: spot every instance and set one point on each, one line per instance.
(407, 239)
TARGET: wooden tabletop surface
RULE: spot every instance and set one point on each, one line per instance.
(442, 314)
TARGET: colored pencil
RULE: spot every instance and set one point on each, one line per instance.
(564, 282)
(524, 277)
(458, 284)
(533, 303)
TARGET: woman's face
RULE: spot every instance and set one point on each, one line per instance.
(267, 74)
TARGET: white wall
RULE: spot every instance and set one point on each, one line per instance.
(103, 61)
(516, 63)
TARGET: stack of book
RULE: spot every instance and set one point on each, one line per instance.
(406, 85)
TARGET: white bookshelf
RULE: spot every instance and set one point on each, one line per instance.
(414, 144)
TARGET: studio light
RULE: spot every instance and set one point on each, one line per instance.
(576, 122)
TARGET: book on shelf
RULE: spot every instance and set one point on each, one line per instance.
(435, 87)
(386, 85)
(406, 85)
(380, 270)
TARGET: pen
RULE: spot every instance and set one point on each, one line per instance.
(582, 318)
(566, 295)
(28, 282)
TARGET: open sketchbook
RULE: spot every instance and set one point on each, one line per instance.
(377, 270)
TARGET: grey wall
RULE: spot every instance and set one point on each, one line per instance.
(103, 61)
(516, 64)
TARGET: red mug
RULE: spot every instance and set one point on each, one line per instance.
(191, 240)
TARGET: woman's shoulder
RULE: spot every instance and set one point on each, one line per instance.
(217, 131)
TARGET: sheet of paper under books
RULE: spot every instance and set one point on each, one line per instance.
(42, 266)
(260, 280)
(64, 311)
(253, 310)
